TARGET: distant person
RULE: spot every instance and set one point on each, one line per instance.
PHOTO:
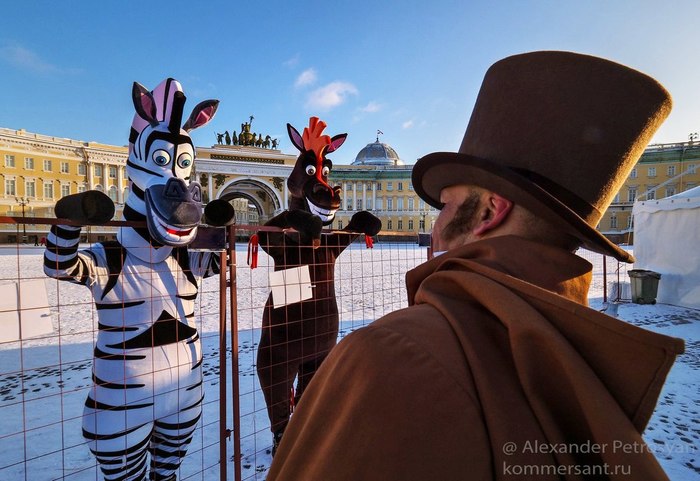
(43, 241)
(498, 369)
(36, 240)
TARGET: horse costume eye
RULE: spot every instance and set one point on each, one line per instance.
(161, 157)
(310, 169)
(326, 170)
(184, 161)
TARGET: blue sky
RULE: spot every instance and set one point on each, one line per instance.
(409, 68)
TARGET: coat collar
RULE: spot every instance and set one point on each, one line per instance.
(542, 265)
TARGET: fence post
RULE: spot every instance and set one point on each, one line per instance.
(234, 355)
(223, 430)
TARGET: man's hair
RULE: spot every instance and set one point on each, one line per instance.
(538, 229)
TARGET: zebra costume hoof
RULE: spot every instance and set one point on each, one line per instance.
(90, 207)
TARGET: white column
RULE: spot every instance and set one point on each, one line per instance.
(105, 178)
(210, 186)
(364, 195)
(91, 175)
(354, 195)
(120, 186)
(286, 197)
(374, 196)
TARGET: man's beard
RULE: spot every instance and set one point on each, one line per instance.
(465, 219)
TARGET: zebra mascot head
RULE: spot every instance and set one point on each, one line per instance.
(161, 157)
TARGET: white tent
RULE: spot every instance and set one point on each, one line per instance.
(667, 241)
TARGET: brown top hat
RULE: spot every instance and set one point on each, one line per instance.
(557, 133)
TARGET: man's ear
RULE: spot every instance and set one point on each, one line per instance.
(495, 210)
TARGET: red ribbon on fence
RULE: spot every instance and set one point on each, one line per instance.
(369, 242)
(253, 251)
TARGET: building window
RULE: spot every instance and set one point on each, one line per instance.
(671, 170)
(369, 187)
(399, 203)
(340, 224)
(421, 224)
(48, 190)
(9, 160)
(82, 188)
(651, 172)
(670, 191)
(112, 172)
(98, 170)
(399, 224)
(65, 168)
(651, 195)
(692, 168)
(389, 186)
(389, 204)
(633, 174)
(113, 193)
(613, 221)
(48, 165)
(389, 225)
(410, 186)
(349, 204)
(369, 204)
(30, 188)
(10, 187)
(400, 185)
(410, 203)
(126, 193)
(81, 169)
(421, 204)
(616, 199)
(410, 224)
(29, 163)
(99, 188)
(359, 204)
(631, 194)
(65, 190)
(379, 186)
(380, 204)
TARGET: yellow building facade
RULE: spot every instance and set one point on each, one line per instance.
(36, 170)
(662, 171)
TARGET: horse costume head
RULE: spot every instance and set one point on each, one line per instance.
(161, 157)
(308, 182)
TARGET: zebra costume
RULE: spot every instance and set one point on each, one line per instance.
(147, 378)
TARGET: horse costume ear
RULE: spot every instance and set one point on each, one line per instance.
(295, 138)
(201, 115)
(336, 142)
(144, 103)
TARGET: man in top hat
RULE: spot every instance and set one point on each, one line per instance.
(498, 369)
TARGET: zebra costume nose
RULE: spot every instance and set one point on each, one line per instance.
(177, 190)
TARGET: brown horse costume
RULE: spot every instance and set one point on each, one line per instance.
(296, 338)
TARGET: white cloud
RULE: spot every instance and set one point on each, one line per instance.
(292, 62)
(371, 107)
(307, 77)
(26, 59)
(407, 125)
(331, 95)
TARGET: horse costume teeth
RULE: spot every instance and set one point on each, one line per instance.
(325, 215)
(147, 375)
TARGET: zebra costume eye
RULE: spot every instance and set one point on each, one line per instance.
(184, 161)
(161, 157)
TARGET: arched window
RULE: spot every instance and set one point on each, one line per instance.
(113, 193)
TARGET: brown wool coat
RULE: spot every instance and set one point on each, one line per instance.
(497, 353)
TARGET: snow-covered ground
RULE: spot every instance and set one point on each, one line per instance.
(44, 381)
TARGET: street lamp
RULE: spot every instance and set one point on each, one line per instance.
(23, 203)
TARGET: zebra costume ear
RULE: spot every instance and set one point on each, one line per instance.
(144, 103)
(201, 115)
